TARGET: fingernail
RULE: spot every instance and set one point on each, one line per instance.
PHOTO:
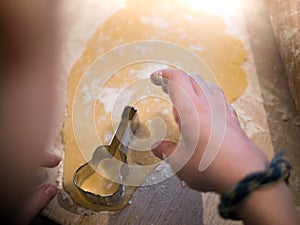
(156, 78)
(51, 190)
(56, 159)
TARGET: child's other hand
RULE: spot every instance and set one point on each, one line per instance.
(40, 196)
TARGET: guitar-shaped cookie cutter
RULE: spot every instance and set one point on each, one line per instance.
(119, 145)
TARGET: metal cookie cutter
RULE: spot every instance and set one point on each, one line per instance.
(118, 146)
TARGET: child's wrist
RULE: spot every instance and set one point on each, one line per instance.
(249, 160)
(231, 200)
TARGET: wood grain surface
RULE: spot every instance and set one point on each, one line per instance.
(285, 20)
(170, 202)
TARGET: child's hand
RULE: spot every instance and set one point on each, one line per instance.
(40, 196)
(210, 128)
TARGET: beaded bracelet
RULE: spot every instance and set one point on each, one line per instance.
(279, 169)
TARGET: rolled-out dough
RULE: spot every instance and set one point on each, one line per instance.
(174, 21)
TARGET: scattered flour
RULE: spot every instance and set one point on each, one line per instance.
(148, 69)
(109, 96)
(162, 172)
(157, 23)
(196, 48)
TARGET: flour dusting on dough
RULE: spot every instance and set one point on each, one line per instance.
(90, 92)
(162, 172)
(157, 23)
(147, 69)
(107, 137)
(196, 48)
(109, 96)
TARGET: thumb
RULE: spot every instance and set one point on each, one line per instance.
(41, 196)
(163, 149)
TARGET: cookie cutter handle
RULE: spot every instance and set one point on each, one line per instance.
(124, 133)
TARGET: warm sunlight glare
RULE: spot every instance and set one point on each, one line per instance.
(220, 7)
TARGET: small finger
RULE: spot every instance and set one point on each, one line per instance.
(183, 97)
(177, 117)
(202, 86)
(162, 77)
(178, 86)
(173, 153)
(217, 92)
(164, 149)
(50, 160)
(213, 94)
(37, 202)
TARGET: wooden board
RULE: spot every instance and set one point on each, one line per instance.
(283, 120)
(285, 20)
(169, 202)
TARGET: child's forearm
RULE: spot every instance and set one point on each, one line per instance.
(272, 205)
